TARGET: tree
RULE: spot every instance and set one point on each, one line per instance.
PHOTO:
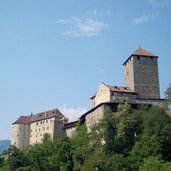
(167, 102)
(80, 147)
(16, 158)
(153, 163)
(155, 139)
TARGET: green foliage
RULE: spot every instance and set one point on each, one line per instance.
(153, 163)
(50, 156)
(167, 102)
(46, 138)
(80, 147)
(16, 158)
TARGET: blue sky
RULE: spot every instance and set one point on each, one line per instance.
(54, 54)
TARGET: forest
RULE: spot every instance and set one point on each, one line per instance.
(127, 140)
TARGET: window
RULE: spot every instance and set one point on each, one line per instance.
(35, 130)
(39, 129)
(47, 128)
(138, 57)
(37, 123)
(46, 121)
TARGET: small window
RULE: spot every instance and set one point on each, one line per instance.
(47, 128)
(39, 129)
(138, 57)
(37, 123)
(46, 121)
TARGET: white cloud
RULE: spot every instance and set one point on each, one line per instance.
(73, 113)
(143, 19)
(78, 27)
(97, 13)
(159, 3)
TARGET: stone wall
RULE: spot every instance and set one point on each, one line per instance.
(94, 117)
(20, 135)
(168, 112)
(156, 102)
(129, 74)
(39, 128)
(123, 97)
(146, 77)
(58, 128)
(141, 75)
(102, 95)
(70, 131)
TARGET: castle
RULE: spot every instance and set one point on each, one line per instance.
(141, 87)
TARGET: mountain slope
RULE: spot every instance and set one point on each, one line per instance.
(4, 144)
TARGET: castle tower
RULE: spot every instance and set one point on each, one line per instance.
(141, 74)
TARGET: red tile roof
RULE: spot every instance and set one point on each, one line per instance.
(120, 89)
(23, 120)
(117, 89)
(40, 116)
(71, 124)
(141, 52)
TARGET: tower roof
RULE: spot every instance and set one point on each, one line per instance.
(141, 52)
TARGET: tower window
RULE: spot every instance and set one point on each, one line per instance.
(138, 57)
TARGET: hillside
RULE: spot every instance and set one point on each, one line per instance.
(4, 144)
